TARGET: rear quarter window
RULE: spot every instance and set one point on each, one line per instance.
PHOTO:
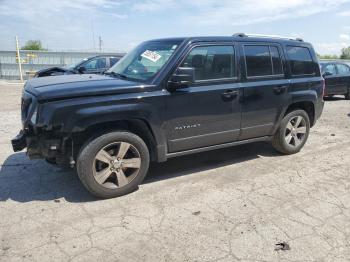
(301, 62)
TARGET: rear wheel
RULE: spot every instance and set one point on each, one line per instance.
(347, 95)
(113, 164)
(292, 133)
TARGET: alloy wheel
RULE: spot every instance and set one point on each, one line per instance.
(295, 132)
(116, 165)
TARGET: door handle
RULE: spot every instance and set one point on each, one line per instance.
(230, 94)
(279, 89)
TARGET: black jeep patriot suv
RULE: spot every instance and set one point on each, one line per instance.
(172, 97)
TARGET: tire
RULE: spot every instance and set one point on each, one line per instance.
(347, 96)
(126, 172)
(287, 140)
(51, 161)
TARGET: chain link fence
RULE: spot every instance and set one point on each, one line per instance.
(33, 61)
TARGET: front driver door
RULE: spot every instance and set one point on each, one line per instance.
(207, 112)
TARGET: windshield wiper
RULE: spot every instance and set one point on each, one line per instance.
(121, 76)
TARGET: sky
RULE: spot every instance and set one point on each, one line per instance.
(122, 24)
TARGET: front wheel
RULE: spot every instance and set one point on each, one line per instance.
(113, 164)
(292, 133)
(51, 161)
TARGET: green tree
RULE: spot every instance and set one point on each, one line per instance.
(327, 56)
(345, 53)
(33, 45)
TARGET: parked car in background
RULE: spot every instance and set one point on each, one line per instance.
(90, 65)
(173, 97)
(337, 76)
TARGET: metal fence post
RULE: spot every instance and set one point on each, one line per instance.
(19, 60)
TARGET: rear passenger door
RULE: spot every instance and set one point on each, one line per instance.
(343, 78)
(265, 88)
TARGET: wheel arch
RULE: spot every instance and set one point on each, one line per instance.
(307, 106)
(139, 127)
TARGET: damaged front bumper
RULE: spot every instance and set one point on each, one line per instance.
(19, 142)
(41, 141)
(39, 146)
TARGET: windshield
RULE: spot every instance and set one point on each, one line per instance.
(145, 61)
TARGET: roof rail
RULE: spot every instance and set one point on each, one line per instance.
(268, 36)
(240, 35)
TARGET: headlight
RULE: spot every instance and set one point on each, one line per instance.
(34, 116)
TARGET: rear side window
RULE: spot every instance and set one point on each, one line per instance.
(343, 69)
(258, 60)
(301, 62)
(211, 62)
(262, 60)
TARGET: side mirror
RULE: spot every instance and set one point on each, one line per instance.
(81, 70)
(327, 74)
(183, 77)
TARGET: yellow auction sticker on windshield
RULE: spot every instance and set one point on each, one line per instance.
(150, 55)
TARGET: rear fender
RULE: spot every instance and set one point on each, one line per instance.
(298, 97)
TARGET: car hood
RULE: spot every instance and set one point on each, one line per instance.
(72, 86)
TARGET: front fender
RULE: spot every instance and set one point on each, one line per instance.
(76, 115)
(86, 117)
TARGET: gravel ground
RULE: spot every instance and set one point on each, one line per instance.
(227, 205)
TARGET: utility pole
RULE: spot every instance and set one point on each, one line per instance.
(93, 33)
(100, 43)
(19, 60)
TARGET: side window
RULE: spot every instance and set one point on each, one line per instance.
(113, 61)
(343, 69)
(258, 60)
(300, 60)
(330, 68)
(97, 63)
(211, 62)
